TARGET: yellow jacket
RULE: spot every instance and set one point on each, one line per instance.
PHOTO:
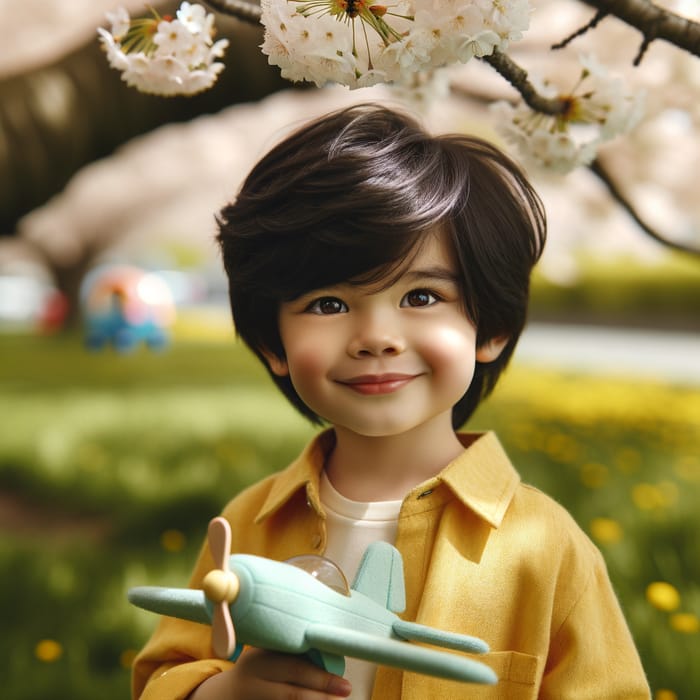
(483, 554)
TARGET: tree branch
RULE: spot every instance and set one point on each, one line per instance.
(602, 173)
(248, 12)
(517, 77)
(592, 24)
(653, 22)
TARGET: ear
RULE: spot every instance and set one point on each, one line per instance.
(278, 365)
(491, 349)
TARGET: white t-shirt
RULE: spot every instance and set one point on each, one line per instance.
(351, 527)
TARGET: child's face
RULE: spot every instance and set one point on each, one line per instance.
(383, 361)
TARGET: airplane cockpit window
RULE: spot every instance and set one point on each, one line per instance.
(326, 571)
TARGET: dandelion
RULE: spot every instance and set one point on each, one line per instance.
(687, 623)
(562, 448)
(359, 43)
(647, 497)
(594, 475)
(655, 496)
(665, 694)
(663, 596)
(172, 541)
(606, 530)
(165, 55)
(48, 650)
(595, 110)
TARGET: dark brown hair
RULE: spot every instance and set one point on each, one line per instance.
(349, 196)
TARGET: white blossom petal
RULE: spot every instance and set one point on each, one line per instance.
(387, 43)
(119, 21)
(174, 56)
(597, 110)
(194, 18)
(115, 56)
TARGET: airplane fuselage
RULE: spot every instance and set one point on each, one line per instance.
(275, 616)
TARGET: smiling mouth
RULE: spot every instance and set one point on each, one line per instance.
(372, 384)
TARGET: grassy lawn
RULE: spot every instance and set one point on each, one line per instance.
(111, 466)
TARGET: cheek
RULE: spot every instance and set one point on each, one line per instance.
(306, 362)
(451, 353)
(308, 369)
(303, 348)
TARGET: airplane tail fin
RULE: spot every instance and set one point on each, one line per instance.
(185, 603)
(380, 576)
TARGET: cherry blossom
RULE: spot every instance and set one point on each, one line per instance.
(596, 110)
(165, 55)
(361, 43)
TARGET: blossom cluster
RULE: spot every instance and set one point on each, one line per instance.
(358, 43)
(598, 109)
(165, 55)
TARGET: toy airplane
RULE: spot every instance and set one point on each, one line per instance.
(281, 607)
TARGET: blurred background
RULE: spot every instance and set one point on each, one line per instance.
(129, 414)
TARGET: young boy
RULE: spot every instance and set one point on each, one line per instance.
(382, 275)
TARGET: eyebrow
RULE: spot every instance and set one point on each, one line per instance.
(412, 276)
(436, 272)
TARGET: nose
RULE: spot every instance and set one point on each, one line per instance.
(376, 336)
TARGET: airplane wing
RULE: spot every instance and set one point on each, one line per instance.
(392, 652)
(380, 576)
(185, 603)
(439, 638)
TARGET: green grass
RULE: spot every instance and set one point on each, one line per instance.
(111, 466)
(624, 291)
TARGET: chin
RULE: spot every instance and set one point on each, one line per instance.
(379, 429)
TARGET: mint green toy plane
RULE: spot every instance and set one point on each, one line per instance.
(281, 607)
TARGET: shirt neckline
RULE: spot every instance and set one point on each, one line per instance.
(482, 478)
(333, 500)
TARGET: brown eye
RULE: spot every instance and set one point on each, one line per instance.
(419, 297)
(327, 305)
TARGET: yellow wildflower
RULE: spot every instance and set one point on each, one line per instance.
(648, 497)
(172, 541)
(606, 530)
(48, 651)
(687, 623)
(663, 596)
(665, 694)
(594, 475)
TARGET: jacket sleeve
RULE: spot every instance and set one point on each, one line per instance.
(168, 667)
(592, 654)
(178, 656)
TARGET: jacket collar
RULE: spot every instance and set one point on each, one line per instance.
(304, 472)
(482, 477)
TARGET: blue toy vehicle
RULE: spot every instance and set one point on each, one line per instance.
(124, 306)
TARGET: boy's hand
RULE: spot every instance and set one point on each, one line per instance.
(266, 675)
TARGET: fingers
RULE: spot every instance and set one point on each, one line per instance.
(285, 677)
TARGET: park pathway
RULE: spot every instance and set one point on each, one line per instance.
(667, 356)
